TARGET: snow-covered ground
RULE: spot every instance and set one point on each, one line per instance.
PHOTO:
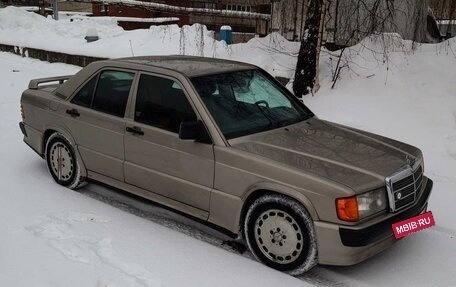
(52, 236)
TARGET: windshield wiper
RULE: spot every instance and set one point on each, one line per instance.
(269, 126)
(288, 122)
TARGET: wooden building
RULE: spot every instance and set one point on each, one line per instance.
(247, 18)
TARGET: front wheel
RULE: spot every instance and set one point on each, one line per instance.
(62, 162)
(279, 232)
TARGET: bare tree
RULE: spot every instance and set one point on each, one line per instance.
(361, 18)
(353, 20)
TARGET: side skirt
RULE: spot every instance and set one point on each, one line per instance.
(190, 212)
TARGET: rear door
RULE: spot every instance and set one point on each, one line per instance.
(155, 158)
(95, 116)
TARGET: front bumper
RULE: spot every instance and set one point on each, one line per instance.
(344, 245)
(22, 127)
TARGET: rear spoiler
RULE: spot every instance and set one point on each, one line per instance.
(36, 82)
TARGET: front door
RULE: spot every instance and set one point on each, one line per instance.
(155, 158)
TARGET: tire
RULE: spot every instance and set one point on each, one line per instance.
(62, 162)
(279, 232)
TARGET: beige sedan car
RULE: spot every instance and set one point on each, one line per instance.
(224, 142)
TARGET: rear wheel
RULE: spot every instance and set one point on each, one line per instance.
(62, 162)
(279, 232)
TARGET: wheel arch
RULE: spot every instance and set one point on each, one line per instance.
(49, 130)
(55, 129)
(262, 190)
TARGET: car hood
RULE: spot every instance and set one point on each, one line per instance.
(356, 159)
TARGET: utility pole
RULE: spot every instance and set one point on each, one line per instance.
(42, 7)
(55, 10)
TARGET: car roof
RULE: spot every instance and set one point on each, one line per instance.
(190, 66)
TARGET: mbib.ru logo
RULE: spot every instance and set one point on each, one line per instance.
(414, 224)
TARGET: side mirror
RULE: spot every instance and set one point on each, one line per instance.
(194, 131)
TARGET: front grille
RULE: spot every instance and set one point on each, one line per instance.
(418, 175)
(403, 186)
(405, 201)
(403, 183)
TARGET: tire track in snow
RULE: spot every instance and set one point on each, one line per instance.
(318, 277)
(105, 252)
(59, 228)
(148, 210)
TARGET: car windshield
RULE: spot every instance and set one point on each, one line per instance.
(247, 102)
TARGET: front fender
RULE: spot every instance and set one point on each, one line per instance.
(281, 189)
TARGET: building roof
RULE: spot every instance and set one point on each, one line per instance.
(186, 10)
(190, 66)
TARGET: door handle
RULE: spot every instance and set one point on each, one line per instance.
(73, 112)
(135, 130)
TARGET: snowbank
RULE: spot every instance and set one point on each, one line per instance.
(18, 27)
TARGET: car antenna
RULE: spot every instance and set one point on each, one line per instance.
(131, 48)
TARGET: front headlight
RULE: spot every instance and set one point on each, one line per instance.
(370, 203)
(361, 206)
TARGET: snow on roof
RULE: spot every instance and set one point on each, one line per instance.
(71, 13)
(128, 19)
(178, 9)
(144, 20)
(446, 22)
(32, 8)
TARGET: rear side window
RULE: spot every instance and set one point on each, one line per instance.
(162, 103)
(112, 91)
(107, 92)
(85, 94)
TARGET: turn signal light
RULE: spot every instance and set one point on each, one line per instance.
(347, 208)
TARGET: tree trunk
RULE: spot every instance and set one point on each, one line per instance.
(42, 8)
(321, 29)
(306, 67)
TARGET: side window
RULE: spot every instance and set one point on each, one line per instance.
(112, 92)
(162, 103)
(85, 94)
